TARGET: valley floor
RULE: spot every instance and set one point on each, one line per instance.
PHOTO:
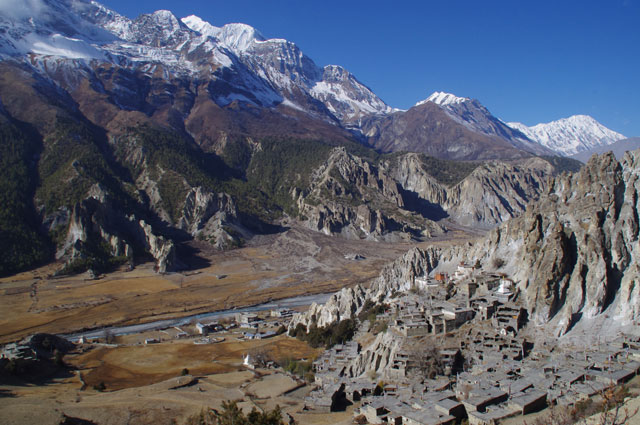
(295, 262)
(140, 379)
(144, 384)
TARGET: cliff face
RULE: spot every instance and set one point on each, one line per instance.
(492, 193)
(574, 254)
(96, 227)
(210, 216)
(399, 198)
(354, 198)
(342, 305)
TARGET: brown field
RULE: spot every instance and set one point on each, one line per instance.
(296, 262)
(143, 382)
(140, 365)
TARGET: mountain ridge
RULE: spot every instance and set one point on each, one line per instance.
(172, 136)
(572, 255)
(271, 73)
(569, 136)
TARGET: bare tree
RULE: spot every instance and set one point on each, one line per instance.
(260, 356)
(109, 338)
(426, 360)
(612, 411)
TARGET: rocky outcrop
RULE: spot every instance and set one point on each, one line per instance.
(493, 192)
(163, 250)
(351, 197)
(497, 191)
(95, 224)
(351, 177)
(574, 255)
(211, 217)
(376, 358)
(359, 222)
(342, 305)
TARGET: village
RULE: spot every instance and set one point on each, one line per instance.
(439, 350)
(456, 348)
(239, 326)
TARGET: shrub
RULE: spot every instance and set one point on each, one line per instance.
(328, 336)
(498, 263)
(379, 326)
(370, 310)
(231, 414)
(205, 417)
(296, 367)
(58, 358)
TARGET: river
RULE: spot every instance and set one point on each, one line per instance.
(166, 323)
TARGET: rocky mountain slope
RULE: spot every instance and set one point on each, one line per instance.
(569, 136)
(172, 70)
(475, 116)
(492, 193)
(618, 148)
(573, 254)
(448, 127)
(357, 199)
(123, 138)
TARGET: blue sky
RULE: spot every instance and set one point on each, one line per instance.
(527, 61)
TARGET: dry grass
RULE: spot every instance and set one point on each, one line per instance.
(140, 365)
(297, 262)
(139, 378)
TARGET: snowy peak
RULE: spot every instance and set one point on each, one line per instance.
(477, 118)
(52, 28)
(197, 24)
(345, 96)
(239, 37)
(569, 136)
(443, 99)
(166, 19)
(235, 37)
(335, 74)
(159, 29)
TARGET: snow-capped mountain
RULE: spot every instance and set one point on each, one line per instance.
(444, 99)
(267, 72)
(50, 29)
(569, 136)
(235, 37)
(69, 41)
(345, 96)
(288, 68)
(476, 117)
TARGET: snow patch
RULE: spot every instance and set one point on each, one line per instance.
(59, 45)
(290, 104)
(197, 24)
(22, 9)
(443, 99)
